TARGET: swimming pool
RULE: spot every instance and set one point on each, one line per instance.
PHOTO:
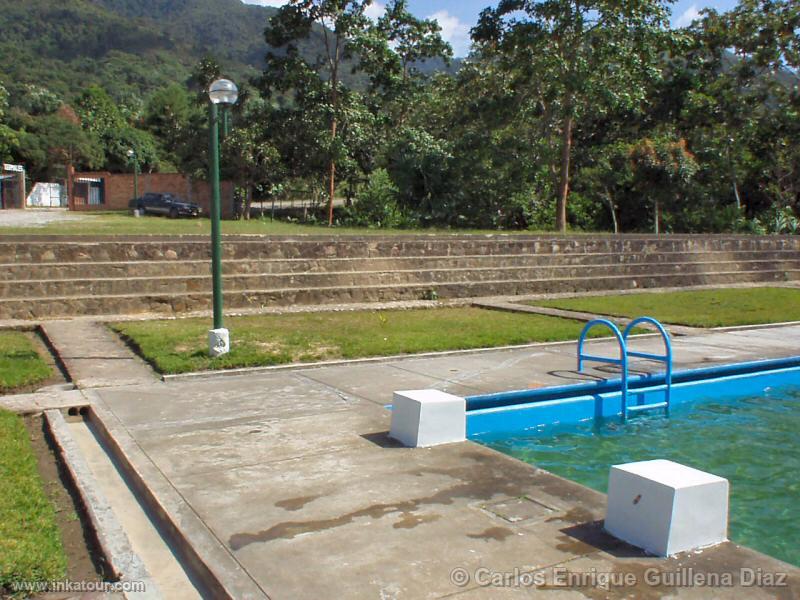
(742, 425)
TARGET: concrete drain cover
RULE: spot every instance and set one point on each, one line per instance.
(515, 510)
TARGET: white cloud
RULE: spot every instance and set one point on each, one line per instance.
(689, 15)
(275, 3)
(454, 31)
(375, 10)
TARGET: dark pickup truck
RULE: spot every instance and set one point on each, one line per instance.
(165, 204)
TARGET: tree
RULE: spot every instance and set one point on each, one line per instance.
(101, 116)
(744, 113)
(333, 123)
(576, 57)
(167, 115)
(251, 159)
(661, 167)
(341, 23)
(97, 111)
(9, 140)
(391, 54)
(58, 140)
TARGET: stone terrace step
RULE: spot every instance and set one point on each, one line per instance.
(183, 302)
(163, 268)
(65, 250)
(431, 277)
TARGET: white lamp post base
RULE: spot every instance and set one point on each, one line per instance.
(219, 342)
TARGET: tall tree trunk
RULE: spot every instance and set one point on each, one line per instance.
(613, 210)
(248, 201)
(563, 188)
(732, 170)
(331, 178)
(657, 216)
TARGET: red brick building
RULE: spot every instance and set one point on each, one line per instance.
(113, 191)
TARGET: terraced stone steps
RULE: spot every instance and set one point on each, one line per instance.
(181, 302)
(66, 277)
(239, 248)
(177, 267)
(42, 289)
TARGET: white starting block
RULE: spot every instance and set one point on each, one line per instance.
(664, 507)
(427, 418)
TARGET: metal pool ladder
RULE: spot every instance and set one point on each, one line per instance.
(622, 361)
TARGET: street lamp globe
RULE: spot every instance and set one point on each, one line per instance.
(223, 91)
(131, 153)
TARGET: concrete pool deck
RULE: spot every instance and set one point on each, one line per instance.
(288, 478)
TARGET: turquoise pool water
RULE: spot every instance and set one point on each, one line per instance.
(753, 441)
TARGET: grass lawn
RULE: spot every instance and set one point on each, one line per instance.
(179, 346)
(20, 363)
(30, 542)
(125, 224)
(695, 308)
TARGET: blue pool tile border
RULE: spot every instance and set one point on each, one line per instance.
(522, 410)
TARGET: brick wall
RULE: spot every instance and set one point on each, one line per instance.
(118, 190)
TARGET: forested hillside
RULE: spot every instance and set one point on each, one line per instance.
(129, 47)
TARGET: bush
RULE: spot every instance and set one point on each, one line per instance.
(376, 204)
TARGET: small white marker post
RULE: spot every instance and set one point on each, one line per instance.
(664, 507)
(219, 342)
(427, 418)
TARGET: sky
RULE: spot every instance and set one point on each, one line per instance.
(457, 17)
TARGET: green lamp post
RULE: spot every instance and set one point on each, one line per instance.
(224, 92)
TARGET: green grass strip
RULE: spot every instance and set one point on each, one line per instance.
(20, 363)
(30, 542)
(696, 308)
(180, 346)
(120, 223)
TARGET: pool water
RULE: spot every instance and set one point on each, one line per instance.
(751, 441)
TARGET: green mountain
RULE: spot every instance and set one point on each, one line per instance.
(129, 47)
(132, 47)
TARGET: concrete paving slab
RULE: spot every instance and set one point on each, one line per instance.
(189, 451)
(213, 403)
(212, 566)
(500, 371)
(293, 473)
(757, 342)
(390, 505)
(41, 401)
(372, 381)
(94, 356)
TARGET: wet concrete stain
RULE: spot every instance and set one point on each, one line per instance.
(573, 546)
(409, 520)
(498, 534)
(478, 482)
(574, 515)
(296, 503)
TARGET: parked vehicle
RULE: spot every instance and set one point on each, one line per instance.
(165, 204)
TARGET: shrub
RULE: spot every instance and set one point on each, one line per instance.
(376, 204)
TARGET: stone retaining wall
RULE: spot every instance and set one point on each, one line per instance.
(63, 277)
